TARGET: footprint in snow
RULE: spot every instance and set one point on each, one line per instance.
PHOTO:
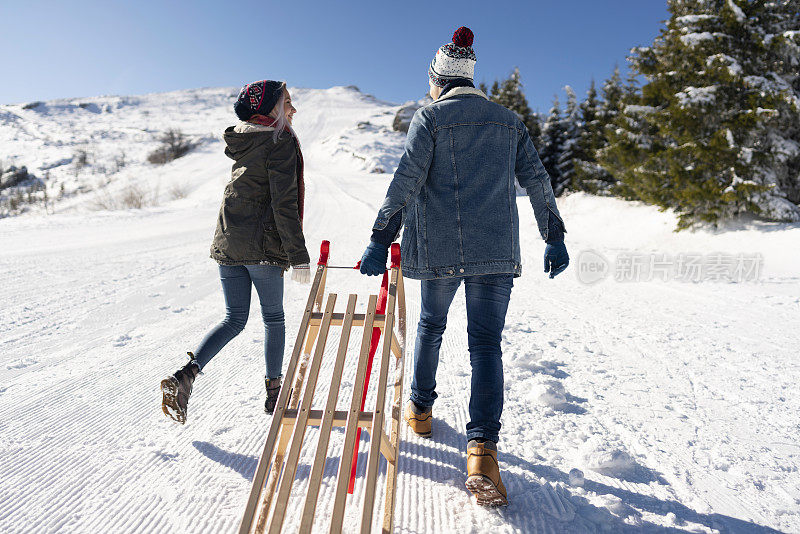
(549, 367)
(552, 394)
(22, 364)
(122, 340)
(166, 456)
(179, 310)
(3, 388)
(593, 347)
(164, 308)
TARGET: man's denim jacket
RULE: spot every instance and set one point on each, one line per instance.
(455, 187)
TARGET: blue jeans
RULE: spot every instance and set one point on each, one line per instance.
(236, 285)
(487, 302)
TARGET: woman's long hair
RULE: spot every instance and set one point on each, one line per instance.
(281, 123)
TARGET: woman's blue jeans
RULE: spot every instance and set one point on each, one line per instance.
(487, 302)
(236, 286)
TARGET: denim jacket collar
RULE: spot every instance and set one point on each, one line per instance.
(459, 91)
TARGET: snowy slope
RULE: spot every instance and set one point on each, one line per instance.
(676, 400)
(117, 133)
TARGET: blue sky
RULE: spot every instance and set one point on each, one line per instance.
(85, 48)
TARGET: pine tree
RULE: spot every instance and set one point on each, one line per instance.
(589, 140)
(493, 94)
(589, 174)
(630, 140)
(509, 93)
(781, 26)
(534, 126)
(553, 140)
(707, 136)
(572, 131)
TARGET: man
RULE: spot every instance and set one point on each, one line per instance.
(454, 192)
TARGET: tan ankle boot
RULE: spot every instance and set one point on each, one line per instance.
(419, 421)
(483, 474)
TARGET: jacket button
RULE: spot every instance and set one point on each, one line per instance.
(461, 270)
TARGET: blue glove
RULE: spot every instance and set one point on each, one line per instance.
(373, 262)
(556, 258)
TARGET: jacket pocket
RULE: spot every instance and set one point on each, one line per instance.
(408, 245)
(272, 244)
(238, 227)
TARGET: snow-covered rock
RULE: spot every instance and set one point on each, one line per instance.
(402, 118)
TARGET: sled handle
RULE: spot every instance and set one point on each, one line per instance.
(395, 255)
(324, 251)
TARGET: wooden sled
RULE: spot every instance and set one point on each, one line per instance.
(275, 473)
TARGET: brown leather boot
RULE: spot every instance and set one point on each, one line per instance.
(177, 389)
(483, 474)
(273, 389)
(419, 421)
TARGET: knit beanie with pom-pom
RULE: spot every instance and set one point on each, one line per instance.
(454, 60)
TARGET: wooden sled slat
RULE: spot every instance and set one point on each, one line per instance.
(285, 433)
(300, 425)
(318, 467)
(396, 412)
(266, 455)
(376, 433)
(352, 422)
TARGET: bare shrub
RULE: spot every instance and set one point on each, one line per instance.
(119, 162)
(103, 201)
(178, 191)
(134, 197)
(80, 159)
(45, 195)
(174, 144)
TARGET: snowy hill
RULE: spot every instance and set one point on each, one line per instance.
(92, 150)
(673, 392)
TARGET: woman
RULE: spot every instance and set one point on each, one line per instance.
(259, 235)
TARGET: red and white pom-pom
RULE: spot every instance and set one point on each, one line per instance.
(463, 37)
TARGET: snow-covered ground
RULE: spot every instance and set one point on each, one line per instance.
(676, 399)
